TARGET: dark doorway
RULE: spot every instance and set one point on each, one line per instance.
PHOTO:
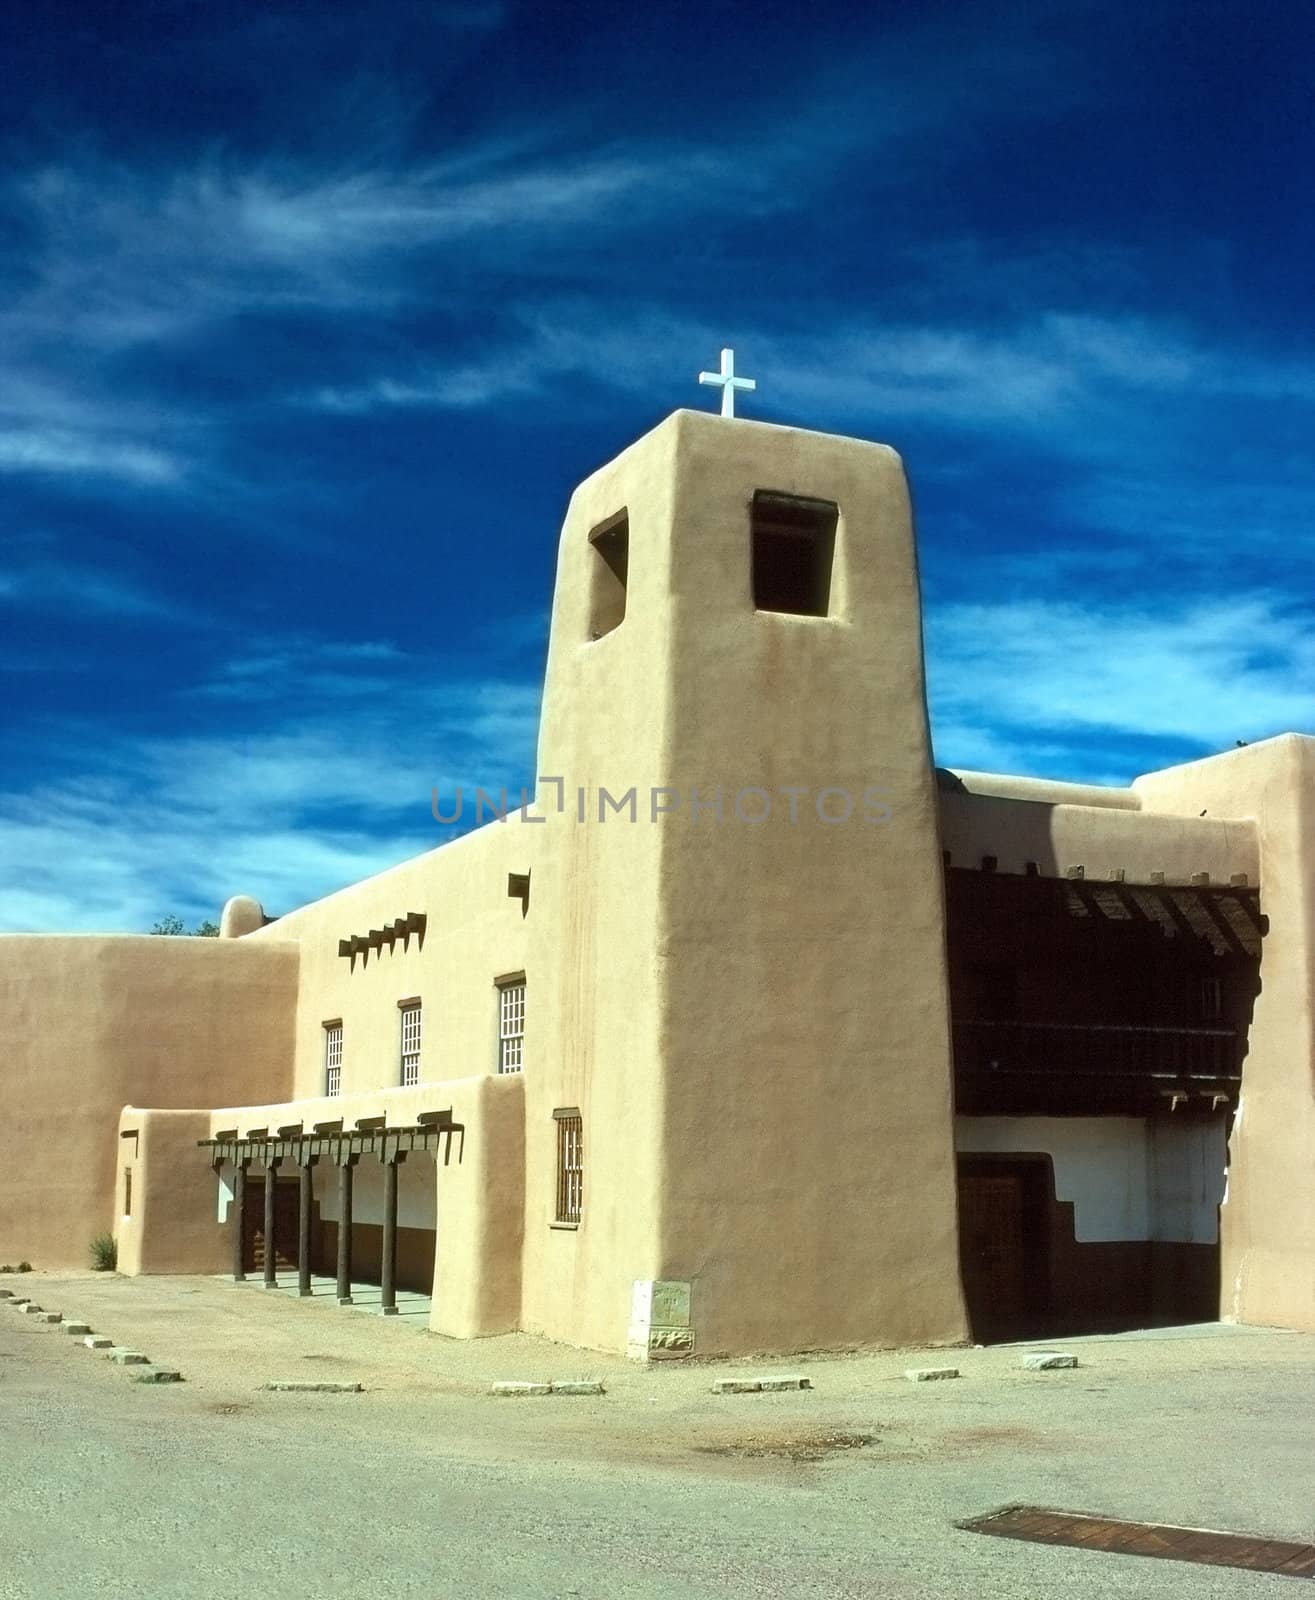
(285, 1225)
(1003, 1243)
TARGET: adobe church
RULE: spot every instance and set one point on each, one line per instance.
(750, 1029)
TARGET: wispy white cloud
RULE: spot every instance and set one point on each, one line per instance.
(1027, 685)
(74, 589)
(85, 454)
(1052, 374)
(308, 789)
(142, 264)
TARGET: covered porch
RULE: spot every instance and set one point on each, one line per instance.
(291, 1154)
(388, 1196)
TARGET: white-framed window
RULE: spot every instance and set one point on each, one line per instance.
(333, 1058)
(511, 1025)
(570, 1165)
(411, 1024)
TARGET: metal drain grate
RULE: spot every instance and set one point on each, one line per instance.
(1201, 1545)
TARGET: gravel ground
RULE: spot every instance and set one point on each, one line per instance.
(424, 1484)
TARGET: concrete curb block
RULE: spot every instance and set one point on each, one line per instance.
(578, 1386)
(52, 1317)
(930, 1374)
(737, 1386)
(30, 1308)
(127, 1358)
(1048, 1361)
(6, 1294)
(77, 1329)
(312, 1386)
(98, 1341)
(778, 1382)
(517, 1389)
(157, 1375)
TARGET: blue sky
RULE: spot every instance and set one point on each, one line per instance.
(312, 315)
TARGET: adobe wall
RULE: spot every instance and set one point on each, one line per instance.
(594, 960)
(94, 1023)
(1268, 1220)
(165, 1216)
(1103, 840)
(474, 934)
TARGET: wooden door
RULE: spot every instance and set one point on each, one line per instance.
(991, 1249)
(286, 1202)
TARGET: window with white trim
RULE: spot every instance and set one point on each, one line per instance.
(410, 1045)
(333, 1059)
(570, 1165)
(511, 1025)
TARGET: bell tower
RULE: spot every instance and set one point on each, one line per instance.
(748, 999)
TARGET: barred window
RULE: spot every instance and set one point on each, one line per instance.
(511, 1025)
(333, 1058)
(410, 1045)
(570, 1165)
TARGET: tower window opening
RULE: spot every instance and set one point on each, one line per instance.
(607, 578)
(794, 544)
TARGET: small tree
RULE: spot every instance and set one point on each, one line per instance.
(172, 926)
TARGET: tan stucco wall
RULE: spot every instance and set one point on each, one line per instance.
(1044, 791)
(1268, 1221)
(753, 1019)
(593, 962)
(174, 1223)
(475, 934)
(92, 1024)
(1104, 841)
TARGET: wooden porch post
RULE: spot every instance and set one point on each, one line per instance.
(345, 1165)
(239, 1211)
(271, 1178)
(304, 1169)
(388, 1276)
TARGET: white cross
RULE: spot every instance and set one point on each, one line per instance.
(727, 382)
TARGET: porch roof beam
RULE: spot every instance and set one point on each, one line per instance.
(383, 1142)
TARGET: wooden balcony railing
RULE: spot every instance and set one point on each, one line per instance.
(1080, 1049)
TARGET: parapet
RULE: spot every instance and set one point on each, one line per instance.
(241, 915)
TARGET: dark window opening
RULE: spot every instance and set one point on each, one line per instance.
(607, 579)
(793, 545)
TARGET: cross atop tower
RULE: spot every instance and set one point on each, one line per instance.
(727, 382)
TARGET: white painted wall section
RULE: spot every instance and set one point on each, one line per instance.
(1128, 1178)
(1188, 1177)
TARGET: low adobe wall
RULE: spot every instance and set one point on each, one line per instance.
(166, 1219)
(1105, 842)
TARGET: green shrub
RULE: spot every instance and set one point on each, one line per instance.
(104, 1252)
(25, 1266)
(6, 1268)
